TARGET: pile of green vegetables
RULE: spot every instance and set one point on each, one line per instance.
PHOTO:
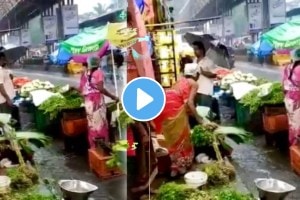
(219, 174)
(254, 101)
(173, 191)
(55, 104)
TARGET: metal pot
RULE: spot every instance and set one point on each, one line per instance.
(273, 189)
(76, 189)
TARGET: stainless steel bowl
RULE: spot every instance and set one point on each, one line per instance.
(76, 189)
(272, 189)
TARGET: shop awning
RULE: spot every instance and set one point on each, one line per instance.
(285, 36)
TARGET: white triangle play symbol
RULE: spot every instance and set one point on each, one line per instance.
(142, 99)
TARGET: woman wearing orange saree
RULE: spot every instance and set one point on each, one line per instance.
(173, 122)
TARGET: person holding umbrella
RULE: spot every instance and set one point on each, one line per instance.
(7, 92)
(207, 76)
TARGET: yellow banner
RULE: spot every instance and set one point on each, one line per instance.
(119, 35)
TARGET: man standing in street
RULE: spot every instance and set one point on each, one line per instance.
(7, 92)
(206, 78)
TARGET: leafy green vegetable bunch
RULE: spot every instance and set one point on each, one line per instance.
(55, 104)
(230, 194)
(202, 137)
(254, 101)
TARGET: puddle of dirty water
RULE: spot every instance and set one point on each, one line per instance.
(53, 163)
(251, 159)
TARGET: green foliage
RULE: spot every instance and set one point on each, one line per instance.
(55, 104)
(219, 173)
(254, 101)
(173, 191)
(119, 146)
(22, 177)
(228, 193)
(124, 119)
(202, 137)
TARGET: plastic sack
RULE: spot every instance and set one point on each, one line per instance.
(40, 96)
(240, 89)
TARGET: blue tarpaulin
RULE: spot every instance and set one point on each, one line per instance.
(262, 48)
(60, 56)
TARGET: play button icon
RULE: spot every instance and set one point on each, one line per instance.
(143, 99)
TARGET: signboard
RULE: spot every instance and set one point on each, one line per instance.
(14, 38)
(70, 19)
(255, 16)
(277, 11)
(50, 28)
(25, 37)
(228, 26)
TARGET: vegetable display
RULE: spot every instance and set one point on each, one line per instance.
(254, 100)
(35, 85)
(59, 102)
(20, 81)
(235, 77)
(174, 191)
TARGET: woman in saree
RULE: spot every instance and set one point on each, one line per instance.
(291, 85)
(93, 91)
(173, 122)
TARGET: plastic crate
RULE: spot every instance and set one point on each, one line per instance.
(275, 124)
(97, 163)
(272, 110)
(42, 120)
(74, 127)
(243, 116)
(295, 158)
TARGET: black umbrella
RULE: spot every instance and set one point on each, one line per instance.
(206, 39)
(215, 50)
(13, 52)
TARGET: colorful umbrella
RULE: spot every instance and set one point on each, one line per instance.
(89, 40)
(81, 58)
(284, 36)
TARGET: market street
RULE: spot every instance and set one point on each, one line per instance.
(250, 160)
(61, 79)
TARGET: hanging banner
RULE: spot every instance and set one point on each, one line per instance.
(50, 28)
(255, 16)
(70, 19)
(277, 10)
(25, 37)
(121, 36)
(228, 26)
(14, 38)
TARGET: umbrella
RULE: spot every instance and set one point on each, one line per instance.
(206, 39)
(81, 58)
(215, 50)
(13, 52)
(285, 36)
(87, 41)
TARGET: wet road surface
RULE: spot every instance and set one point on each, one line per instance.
(53, 161)
(252, 158)
(249, 159)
